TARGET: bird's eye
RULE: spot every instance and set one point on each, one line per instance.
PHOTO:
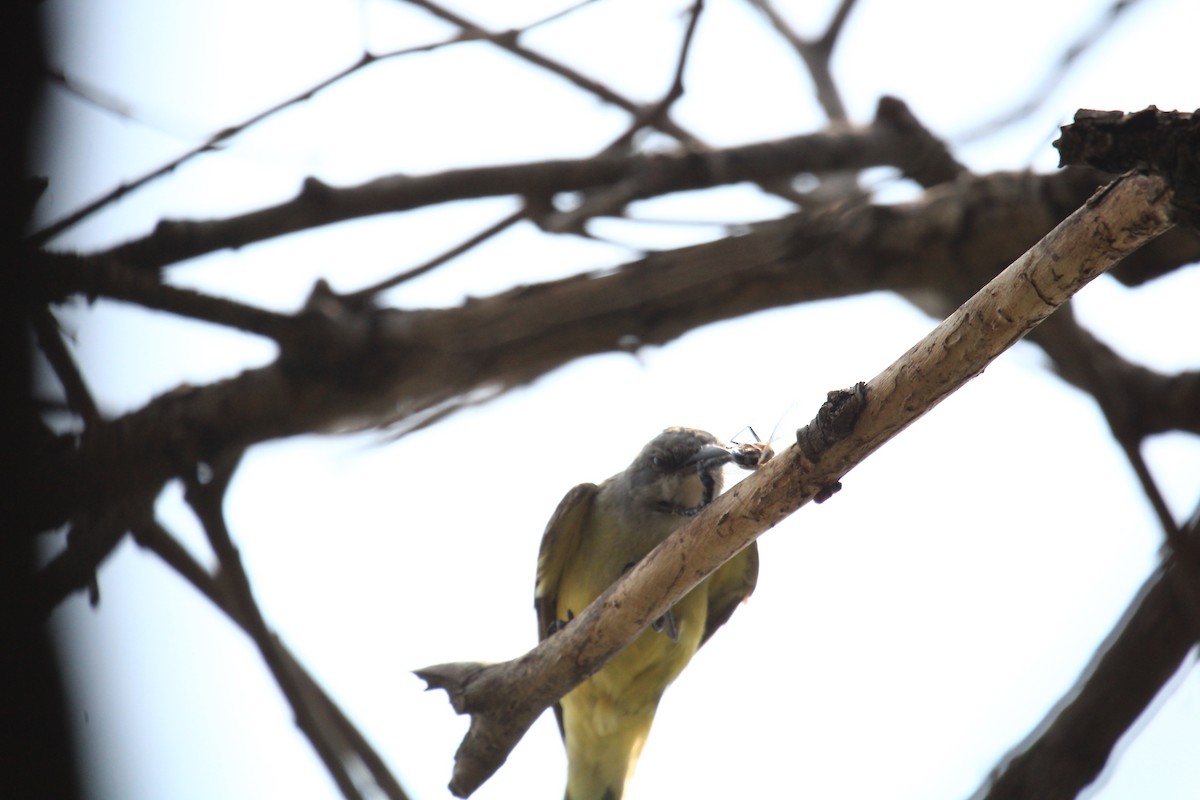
(659, 461)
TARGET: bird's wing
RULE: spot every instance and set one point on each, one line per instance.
(559, 545)
(728, 586)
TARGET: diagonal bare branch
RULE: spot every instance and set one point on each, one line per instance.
(206, 494)
(1068, 750)
(510, 41)
(61, 276)
(343, 736)
(487, 233)
(1099, 371)
(211, 143)
(215, 140)
(1054, 77)
(49, 339)
(504, 699)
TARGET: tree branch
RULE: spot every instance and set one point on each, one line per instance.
(504, 699)
(884, 143)
(59, 276)
(496, 228)
(206, 495)
(334, 726)
(510, 41)
(816, 54)
(1138, 400)
(1054, 77)
(215, 140)
(349, 367)
(361, 367)
(612, 200)
(49, 338)
(1117, 387)
(662, 109)
(1069, 748)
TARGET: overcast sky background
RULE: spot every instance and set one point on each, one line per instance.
(902, 637)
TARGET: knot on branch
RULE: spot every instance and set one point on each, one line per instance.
(834, 421)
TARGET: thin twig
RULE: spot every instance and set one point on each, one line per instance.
(662, 108)
(614, 199)
(1083, 358)
(49, 338)
(510, 42)
(1079, 356)
(107, 276)
(661, 122)
(151, 535)
(206, 499)
(91, 95)
(830, 37)
(157, 540)
(216, 139)
(1053, 78)
(451, 254)
(816, 54)
(557, 15)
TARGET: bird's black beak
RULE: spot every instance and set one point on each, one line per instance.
(709, 456)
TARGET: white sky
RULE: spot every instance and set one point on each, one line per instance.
(902, 636)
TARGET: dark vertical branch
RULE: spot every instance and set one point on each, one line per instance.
(36, 759)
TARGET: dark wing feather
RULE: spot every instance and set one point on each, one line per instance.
(729, 586)
(559, 545)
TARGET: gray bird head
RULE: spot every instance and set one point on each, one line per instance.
(679, 471)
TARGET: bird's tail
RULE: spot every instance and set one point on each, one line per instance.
(598, 769)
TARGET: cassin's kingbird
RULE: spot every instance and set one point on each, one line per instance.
(596, 534)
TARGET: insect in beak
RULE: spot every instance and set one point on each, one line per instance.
(751, 455)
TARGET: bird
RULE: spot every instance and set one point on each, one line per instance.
(597, 533)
